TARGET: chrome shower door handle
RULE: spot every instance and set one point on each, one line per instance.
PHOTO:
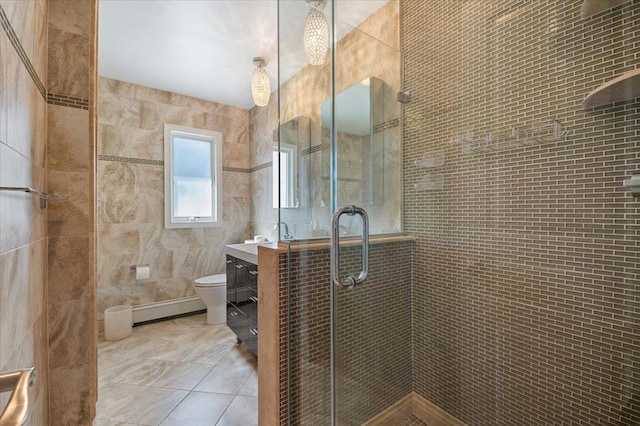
(351, 280)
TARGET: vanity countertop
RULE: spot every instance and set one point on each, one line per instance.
(248, 251)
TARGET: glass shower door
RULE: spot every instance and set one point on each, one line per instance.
(371, 347)
(347, 347)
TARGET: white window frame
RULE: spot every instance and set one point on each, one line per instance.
(213, 137)
(291, 184)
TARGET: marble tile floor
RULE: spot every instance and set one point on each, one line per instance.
(177, 372)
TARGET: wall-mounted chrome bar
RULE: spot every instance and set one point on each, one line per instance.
(32, 191)
(351, 280)
(18, 382)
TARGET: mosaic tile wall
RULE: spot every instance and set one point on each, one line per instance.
(526, 287)
(373, 339)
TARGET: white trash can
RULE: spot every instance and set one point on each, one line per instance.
(118, 322)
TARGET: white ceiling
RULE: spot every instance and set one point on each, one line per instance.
(204, 48)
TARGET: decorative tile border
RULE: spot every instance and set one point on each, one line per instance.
(236, 169)
(50, 98)
(251, 170)
(311, 150)
(130, 160)
(161, 163)
(68, 101)
(6, 25)
(386, 125)
(262, 166)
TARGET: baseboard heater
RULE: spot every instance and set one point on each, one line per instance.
(167, 308)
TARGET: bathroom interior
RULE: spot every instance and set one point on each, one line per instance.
(490, 150)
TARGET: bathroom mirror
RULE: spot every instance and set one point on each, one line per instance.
(289, 173)
(359, 114)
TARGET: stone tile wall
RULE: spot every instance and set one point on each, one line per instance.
(23, 236)
(526, 283)
(131, 194)
(70, 173)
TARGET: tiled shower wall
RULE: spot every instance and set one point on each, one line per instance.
(526, 284)
(46, 281)
(23, 230)
(131, 194)
(373, 323)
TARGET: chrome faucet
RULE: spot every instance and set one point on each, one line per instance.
(287, 235)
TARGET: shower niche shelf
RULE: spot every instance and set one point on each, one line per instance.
(430, 182)
(621, 88)
(592, 7)
(430, 160)
(547, 132)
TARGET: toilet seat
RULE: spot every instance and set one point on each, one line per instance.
(212, 281)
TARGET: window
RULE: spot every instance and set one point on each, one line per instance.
(284, 176)
(193, 177)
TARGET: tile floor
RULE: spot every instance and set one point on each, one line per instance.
(414, 421)
(177, 372)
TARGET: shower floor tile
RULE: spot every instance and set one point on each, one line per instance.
(414, 421)
(151, 377)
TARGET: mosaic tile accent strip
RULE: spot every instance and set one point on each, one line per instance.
(261, 166)
(285, 331)
(251, 170)
(159, 163)
(68, 101)
(130, 160)
(373, 339)
(8, 29)
(386, 125)
(311, 150)
(236, 169)
(526, 280)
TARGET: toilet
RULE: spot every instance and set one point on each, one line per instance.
(212, 290)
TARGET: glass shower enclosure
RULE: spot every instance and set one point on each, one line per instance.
(488, 145)
(343, 118)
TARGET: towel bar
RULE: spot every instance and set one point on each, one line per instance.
(32, 191)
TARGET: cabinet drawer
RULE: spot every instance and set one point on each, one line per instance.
(237, 320)
(243, 320)
(250, 309)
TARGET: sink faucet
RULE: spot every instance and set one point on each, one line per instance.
(287, 235)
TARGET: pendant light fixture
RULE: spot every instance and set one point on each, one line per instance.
(316, 33)
(260, 86)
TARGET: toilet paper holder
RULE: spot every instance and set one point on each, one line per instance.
(142, 272)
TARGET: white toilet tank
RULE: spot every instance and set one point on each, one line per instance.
(212, 289)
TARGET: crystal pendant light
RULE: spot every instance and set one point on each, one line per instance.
(316, 33)
(260, 86)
